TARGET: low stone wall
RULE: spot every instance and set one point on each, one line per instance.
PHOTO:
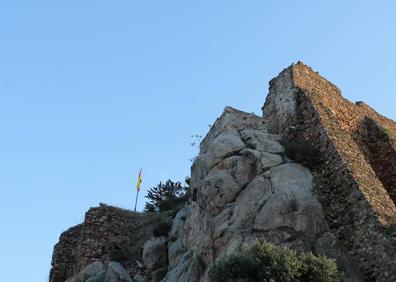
(64, 257)
(107, 234)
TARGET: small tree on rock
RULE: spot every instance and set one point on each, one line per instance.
(166, 196)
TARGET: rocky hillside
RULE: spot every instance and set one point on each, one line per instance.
(315, 173)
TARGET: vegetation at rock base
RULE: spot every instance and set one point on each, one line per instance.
(266, 262)
(162, 229)
(316, 185)
(167, 196)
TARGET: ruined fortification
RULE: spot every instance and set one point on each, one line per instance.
(107, 234)
(357, 162)
(337, 199)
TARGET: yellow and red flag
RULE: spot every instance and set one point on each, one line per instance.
(139, 181)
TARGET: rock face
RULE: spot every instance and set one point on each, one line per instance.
(155, 258)
(243, 188)
(155, 253)
(107, 234)
(97, 272)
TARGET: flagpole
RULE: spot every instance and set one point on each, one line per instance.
(137, 194)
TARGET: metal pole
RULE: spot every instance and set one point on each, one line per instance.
(137, 194)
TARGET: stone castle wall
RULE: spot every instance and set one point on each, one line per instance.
(357, 201)
(107, 234)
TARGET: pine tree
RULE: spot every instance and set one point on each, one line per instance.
(166, 196)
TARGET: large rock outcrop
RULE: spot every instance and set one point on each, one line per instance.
(244, 188)
(98, 272)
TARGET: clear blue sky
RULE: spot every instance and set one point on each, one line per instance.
(92, 90)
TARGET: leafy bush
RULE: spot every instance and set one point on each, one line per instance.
(119, 254)
(318, 269)
(162, 229)
(149, 207)
(166, 196)
(266, 262)
(235, 268)
(316, 185)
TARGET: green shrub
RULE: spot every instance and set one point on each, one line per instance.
(171, 203)
(316, 185)
(167, 196)
(235, 268)
(266, 262)
(274, 262)
(162, 229)
(319, 269)
(149, 207)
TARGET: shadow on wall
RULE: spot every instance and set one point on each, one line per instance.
(376, 143)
